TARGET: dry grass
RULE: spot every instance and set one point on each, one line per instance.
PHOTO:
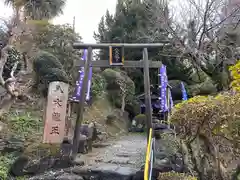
(98, 113)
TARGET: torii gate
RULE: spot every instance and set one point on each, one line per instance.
(116, 58)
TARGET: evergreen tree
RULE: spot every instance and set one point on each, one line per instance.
(133, 22)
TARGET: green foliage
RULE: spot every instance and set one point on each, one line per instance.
(45, 60)
(171, 143)
(134, 22)
(210, 122)
(44, 9)
(23, 124)
(58, 40)
(38, 149)
(98, 85)
(140, 119)
(55, 74)
(13, 56)
(110, 75)
(20, 125)
(5, 161)
(47, 69)
(236, 76)
(130, 18)
(175, 176)
(119, 84)
(204, 88)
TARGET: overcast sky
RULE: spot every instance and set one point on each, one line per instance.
(87, 12)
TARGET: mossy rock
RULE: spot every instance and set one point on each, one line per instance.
(110, 119)
(36, 149)
(98, 85)
(109, 74)
(140, 119)
(114, 88)
(205, 88)
(175, 176)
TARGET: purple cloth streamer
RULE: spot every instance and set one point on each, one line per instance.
(79, 83)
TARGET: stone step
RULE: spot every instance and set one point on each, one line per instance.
(106, 172)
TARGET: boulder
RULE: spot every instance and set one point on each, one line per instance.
(82, 147)
(57, 175)
(2, 145)
(12, 144)
(110, 119)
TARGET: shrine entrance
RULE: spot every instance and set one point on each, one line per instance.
(116, 59)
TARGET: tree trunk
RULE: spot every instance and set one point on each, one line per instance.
(123, 103)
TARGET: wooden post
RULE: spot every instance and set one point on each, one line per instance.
(148, 104)
(81, 103)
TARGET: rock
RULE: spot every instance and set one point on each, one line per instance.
(139, 175)
(106, 172)
(78, 162)
(160, 155)
(63, 162)
(2, 144)
(102, 136)
(176, 89)
(82, 147)
(206, 87)
(57, 175)
(177, 163)
(17, 167)
(162, 162)
(38, 167)
(110, 119)
(162, 168)
(2, 126)
(66, 147)
(13, 145)
(48, 176)
(100, 145)
(66, 176)
(24, 166)
(100, 127)
(136, 129)
(90, 131)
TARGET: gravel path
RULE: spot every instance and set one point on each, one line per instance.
(119, 160)
(123, 157)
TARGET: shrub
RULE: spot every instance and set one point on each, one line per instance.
(119, 85)
(22, 124)
(44, 60)
(98, 85)
(13, 56)
(140, 119)
(5, 161)
(47, 69)
(235, 73)
(211, 124)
